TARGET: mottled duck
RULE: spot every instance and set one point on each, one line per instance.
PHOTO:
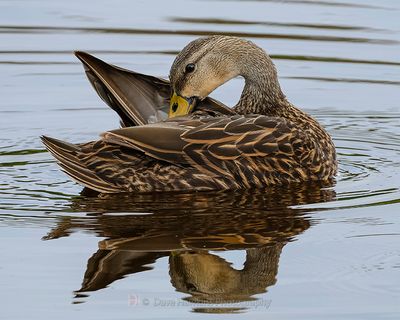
(203, 145)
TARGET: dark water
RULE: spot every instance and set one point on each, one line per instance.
(310, 252)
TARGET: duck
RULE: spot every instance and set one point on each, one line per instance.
(175, 138)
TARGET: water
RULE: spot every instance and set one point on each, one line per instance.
(305, 253)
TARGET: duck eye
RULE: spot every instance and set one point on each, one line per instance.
(190, 68)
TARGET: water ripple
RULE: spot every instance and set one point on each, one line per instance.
(273, 24)
(321, 3)
(174, 53)
(304, 37)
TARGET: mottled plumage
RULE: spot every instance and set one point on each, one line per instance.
(263, 140)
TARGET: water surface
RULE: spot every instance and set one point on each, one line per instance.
(308, 252)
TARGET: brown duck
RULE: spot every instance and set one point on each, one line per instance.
(264, 140)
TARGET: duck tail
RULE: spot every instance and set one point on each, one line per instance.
(67, 156)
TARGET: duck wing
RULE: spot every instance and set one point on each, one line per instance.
(251, 150)
(137, 98)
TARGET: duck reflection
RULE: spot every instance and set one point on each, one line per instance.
(191, 229)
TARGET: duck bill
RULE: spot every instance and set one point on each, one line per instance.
(180, 106)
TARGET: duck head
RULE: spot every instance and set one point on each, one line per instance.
(207, 63)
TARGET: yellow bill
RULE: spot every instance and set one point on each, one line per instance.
(180, 106)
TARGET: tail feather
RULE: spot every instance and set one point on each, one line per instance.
(67, 157)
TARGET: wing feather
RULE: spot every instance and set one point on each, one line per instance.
(242, 151)
(237, 147)
(137, 98)
(161, 141)
(248, 148)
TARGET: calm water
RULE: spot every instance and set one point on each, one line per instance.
(306, 253)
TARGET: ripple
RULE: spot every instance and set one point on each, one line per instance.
(273, 24)
(321, 3)
(346, 80)
(283, 36)
(325, 59)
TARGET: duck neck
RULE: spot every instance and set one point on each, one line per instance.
(262, 93)
(257, 99)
